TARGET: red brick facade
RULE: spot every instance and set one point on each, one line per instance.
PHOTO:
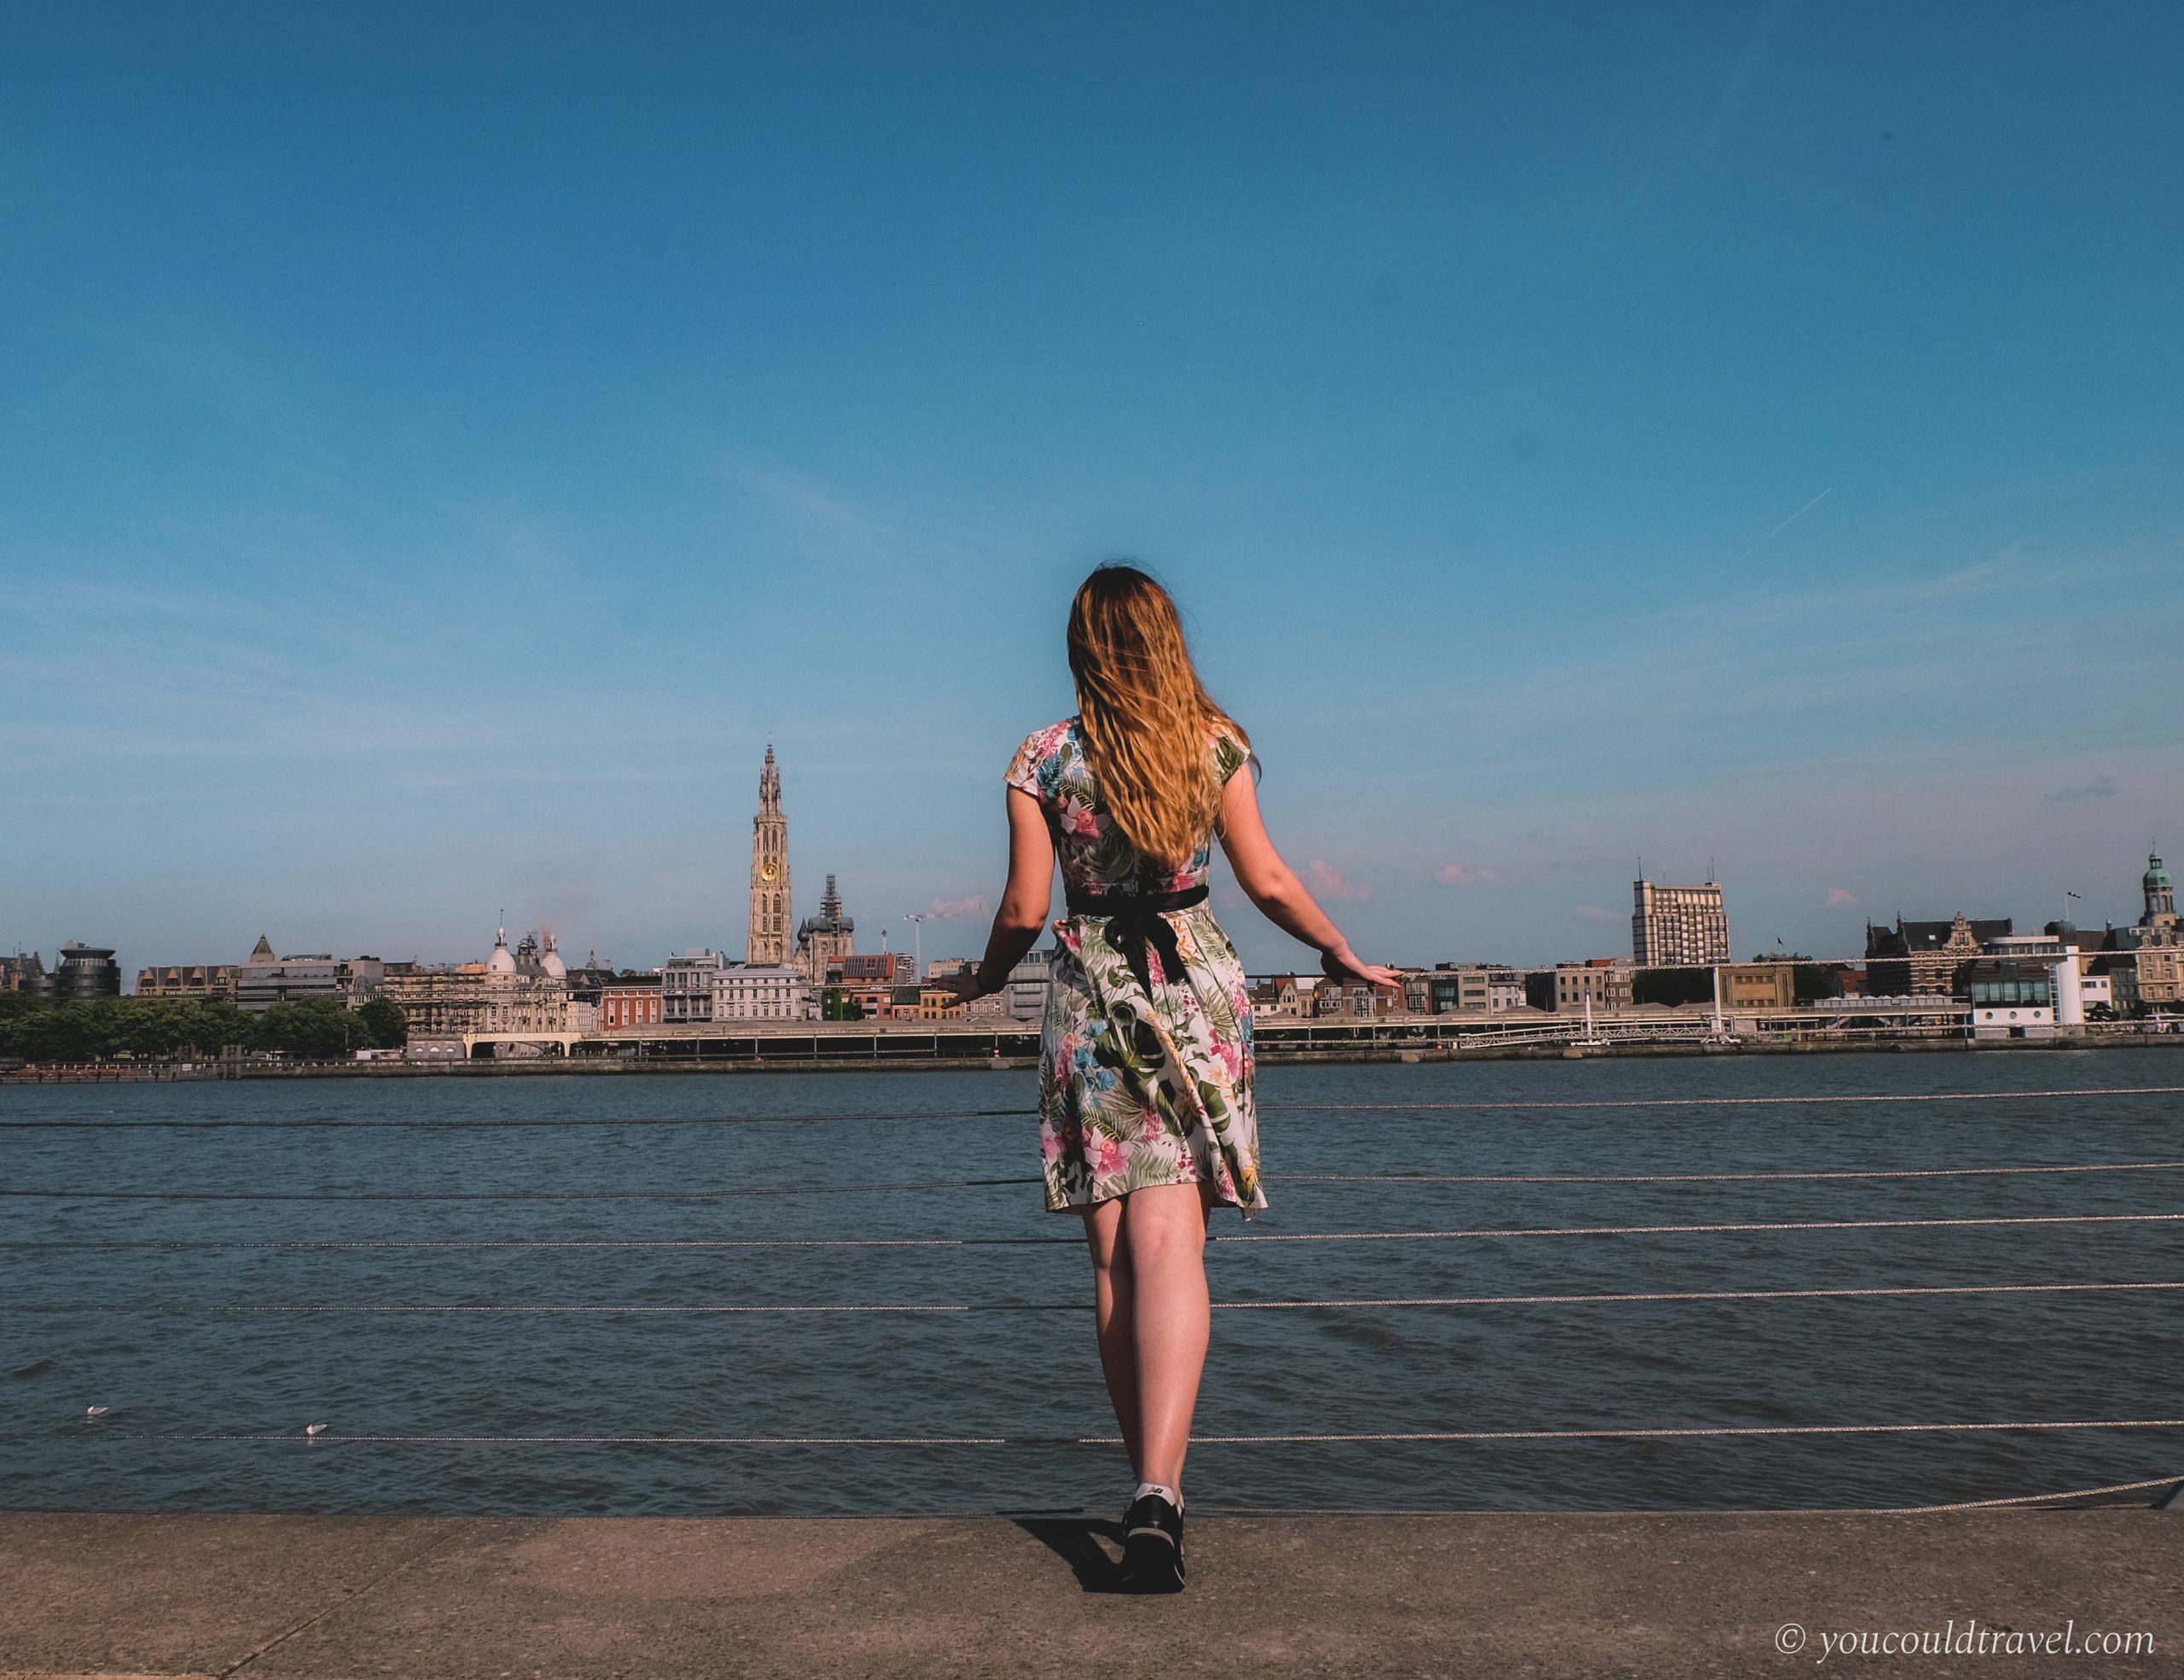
(629, 1003)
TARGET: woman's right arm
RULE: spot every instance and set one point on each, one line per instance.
(1025, 900)
(1273, 886)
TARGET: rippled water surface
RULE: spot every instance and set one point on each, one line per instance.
(128, 1301)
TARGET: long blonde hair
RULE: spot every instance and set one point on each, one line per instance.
(1149, 721)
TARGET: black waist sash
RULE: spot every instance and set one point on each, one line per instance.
(1135, 925)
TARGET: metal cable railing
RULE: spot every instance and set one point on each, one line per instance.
(319, 1122)
(1227, 1240)
(2109, 1286)
(700, 1309)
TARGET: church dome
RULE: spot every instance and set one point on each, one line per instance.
(550, 963)
(2156, 879)
(502, 960)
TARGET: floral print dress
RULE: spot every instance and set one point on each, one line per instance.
(1138, 1089)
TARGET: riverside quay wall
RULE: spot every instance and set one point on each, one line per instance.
(953, 1045)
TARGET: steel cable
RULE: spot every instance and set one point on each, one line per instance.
(233, 1308)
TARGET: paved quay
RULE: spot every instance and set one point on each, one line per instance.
(1517, 1594)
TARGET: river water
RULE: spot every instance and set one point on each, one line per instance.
(213, 1195)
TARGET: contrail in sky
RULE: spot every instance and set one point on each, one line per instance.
(1784, 526)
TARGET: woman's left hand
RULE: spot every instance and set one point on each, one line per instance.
(965, 985)
(1342, 963)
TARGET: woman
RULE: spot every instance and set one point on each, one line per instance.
(1145, 1093)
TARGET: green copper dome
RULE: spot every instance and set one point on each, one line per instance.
(2156, 878)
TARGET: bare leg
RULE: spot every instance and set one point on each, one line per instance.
(1112, 1294)
(1164, 1239)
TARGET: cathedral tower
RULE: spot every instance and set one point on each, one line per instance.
(769, 924)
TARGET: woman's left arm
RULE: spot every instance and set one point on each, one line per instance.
(1025, 900)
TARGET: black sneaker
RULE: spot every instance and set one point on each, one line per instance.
(1152, 1546)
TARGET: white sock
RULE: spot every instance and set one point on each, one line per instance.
(1161, 1488)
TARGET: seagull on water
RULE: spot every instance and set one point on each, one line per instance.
(315, 1428)
(94, 1411)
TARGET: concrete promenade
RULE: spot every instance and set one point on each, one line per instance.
(1516, 1595)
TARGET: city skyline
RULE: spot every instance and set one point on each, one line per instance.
(772, 841)
(437, 457)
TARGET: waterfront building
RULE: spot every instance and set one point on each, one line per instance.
(2011, 997)
(83, 974)
(1280, 998)
(753, 991)
(2145, 965)
(823, 941)
(539, 959)
(879, 968)
(537, 1005)
(1603, 980)
(188, 979)
(441, 1002)
(1355, 1000)
(1923, 959)
(629, 1001)
(26, 972)
(2116, 973)
(1505, 989)
(2159, 971)
(1462, 989)
(938, 1003)
(992, 1009)
(527, 994)
(767, 945)
(1757, 986)
(1678, 926)
(361, 979)
(1029, 983)
(588, 979)
(687, 985)
(2158, 926)
(263, 979)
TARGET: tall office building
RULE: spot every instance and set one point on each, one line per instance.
(768, 944)
(1678, 926)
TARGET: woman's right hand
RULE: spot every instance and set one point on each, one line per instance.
(1339, 962)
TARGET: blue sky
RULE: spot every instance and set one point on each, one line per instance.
(440, 448)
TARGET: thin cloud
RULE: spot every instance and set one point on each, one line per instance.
(1598, 913)
(2102, 786)
(1841, 898)
(1784, 526)
(949, 909)
(1460, 874)
(1329, 882)
(1742, 72)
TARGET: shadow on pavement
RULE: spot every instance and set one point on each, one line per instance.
(1076, 1542)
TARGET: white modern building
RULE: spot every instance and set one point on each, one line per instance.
(687, 985)
(760, 991)
(2028, 987)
